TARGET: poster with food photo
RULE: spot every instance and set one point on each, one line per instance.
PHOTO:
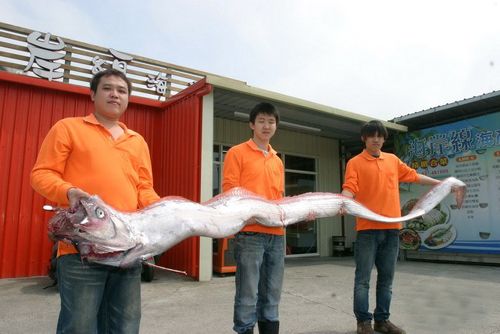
(470, 151)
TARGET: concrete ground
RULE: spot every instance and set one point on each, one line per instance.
(317, 299)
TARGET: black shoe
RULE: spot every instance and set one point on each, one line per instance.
(269, 327)
(387, 327)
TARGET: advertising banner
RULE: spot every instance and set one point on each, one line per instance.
(470, 151)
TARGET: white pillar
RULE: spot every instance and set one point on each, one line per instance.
(207, 142)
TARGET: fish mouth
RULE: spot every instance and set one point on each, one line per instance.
(90, 227)
(96, 230)
(89, 253)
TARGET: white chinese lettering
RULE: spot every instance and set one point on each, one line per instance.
(43, 52)
(158, 82)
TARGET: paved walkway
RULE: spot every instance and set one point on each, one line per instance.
(429, 298)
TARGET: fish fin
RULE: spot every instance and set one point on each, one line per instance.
(164, 268)
(135, 255)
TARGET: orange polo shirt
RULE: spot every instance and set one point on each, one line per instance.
(245, 165)
(80, 152)
(375, 184)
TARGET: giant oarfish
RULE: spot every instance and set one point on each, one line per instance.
(108, 236)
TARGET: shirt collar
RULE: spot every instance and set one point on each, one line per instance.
(368, 156)
(254, 147)
(90, 118)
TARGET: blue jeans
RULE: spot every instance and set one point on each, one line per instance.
(379, 248)
(260, 267)
(97, 298)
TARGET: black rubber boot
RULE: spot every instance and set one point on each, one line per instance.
(269, 327)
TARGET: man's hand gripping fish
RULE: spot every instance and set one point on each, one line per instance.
(108, 236)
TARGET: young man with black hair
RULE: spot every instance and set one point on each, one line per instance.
(259, 250)
(372, 178)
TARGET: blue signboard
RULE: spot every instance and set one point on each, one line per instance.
(470, 151)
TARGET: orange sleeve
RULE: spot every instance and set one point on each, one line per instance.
(146, 193)
(282, 185)
(231, 171)
(406, 173)
(351, 178)
(46, 176)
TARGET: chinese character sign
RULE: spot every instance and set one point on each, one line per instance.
(470, 151)
(44, 52)
(119, 63)
(450, 142)
(47, 55)
(158, 82)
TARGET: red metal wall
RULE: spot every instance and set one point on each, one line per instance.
(29, 107)
(178, 135)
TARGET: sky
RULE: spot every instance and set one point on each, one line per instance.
(382, 59)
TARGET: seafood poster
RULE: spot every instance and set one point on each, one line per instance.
(470, 151)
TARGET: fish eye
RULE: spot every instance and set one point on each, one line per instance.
(99, 213)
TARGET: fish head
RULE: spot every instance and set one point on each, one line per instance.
(64, 224)
(96, 219)
(97, 230)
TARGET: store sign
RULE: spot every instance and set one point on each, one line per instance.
(46, 52)
(158, 82)
(470, 151)
(119, 63)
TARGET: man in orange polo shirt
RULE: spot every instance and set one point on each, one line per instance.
(96, 154)
(259, 250)
(372, 178)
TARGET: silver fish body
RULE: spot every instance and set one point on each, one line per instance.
(438, 192)
(108, 236)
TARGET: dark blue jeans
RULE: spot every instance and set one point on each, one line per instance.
(260, 267)
(97, 298)
(379, 248)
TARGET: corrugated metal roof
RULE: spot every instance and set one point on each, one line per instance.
(232, 96)
(451, 112)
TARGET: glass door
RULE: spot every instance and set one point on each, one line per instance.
(300, 177)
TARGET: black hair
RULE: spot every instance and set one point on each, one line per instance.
(107, 73)
(264, 108)
(372, 128)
